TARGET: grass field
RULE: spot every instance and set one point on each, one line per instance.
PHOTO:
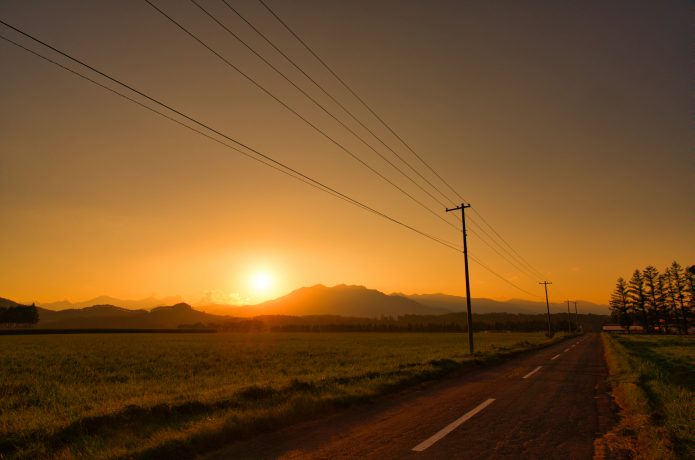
(151, 395)
(653, 381)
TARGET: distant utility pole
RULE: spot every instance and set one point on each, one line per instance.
(465, 262)
(569, 318)
(547, 305)
(576, 316)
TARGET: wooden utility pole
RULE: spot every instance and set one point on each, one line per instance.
(576, 316)
(463, 207)
(569, 318)
(547, 305)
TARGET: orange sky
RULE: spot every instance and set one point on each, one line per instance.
(566, 126)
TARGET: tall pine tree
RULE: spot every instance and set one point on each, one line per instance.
(679, 293)
(652, 296)
(619, 304)
(638, 297)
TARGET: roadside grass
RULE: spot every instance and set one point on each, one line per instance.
(653, 383)
(158, 395)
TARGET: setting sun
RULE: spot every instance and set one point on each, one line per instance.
(262, 282)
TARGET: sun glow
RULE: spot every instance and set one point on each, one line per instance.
(262, 282)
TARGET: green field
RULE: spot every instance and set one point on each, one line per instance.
(151, 395)
(654, 383)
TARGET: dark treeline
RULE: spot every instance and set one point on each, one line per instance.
(659, 302)
(18, 315)
(452, 322)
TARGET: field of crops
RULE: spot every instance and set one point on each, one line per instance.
(150, 395)
(654, 385)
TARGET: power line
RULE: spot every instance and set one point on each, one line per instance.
(312, 99)
(301, 117)
(277, 165)
(390, 129)
(335, 100)
(522, 270)
(342, 82)
(509, 245)
(204, 125)
(500, 276)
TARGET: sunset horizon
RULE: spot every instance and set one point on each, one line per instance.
(159, 208)
(376, 229)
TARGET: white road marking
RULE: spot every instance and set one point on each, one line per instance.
(554, 357)
(532, 372)
(566, 350)
(451, 427)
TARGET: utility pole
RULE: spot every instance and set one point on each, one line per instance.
(463, 207)
(569, 318)
(576, 316)
(547, 305)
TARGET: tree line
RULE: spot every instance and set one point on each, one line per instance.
(452, 322)
(18, 315)
(659, 302)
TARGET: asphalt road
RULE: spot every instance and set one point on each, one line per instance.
(547, 404)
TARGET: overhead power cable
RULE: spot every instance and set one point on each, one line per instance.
(500, 276)
(300, 116)
(391, 130)
(271, 162)
(335, 100)
(279, 165)
(516, 265)
(521, 269)
(312, 99)
(351, 91)
(538, 272)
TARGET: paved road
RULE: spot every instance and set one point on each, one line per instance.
(548, 404)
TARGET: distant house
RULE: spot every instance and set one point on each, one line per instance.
(614, 328)
(617, 329)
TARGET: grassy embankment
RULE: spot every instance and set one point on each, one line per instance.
(653, 383)
(156, 395)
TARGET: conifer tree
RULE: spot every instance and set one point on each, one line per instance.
(619, 304)
(637, 297)
(666, 307)
(679, 292)
(652, 295)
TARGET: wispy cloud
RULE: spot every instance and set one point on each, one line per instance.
(219, 296)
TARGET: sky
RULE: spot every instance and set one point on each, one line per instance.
(565, 125)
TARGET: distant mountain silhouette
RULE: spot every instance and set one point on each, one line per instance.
(7, 303)
(147, 303)
(342, 300)
(112, 317)
(453, 303)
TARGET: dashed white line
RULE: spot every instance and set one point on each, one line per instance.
(566, 350)
(532, 372)
(451, 427)
(554, 357)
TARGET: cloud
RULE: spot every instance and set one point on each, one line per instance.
(219, 296)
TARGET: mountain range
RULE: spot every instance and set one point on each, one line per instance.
(341, 300)
(363, 302)
(113, 317)
(147, 303)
